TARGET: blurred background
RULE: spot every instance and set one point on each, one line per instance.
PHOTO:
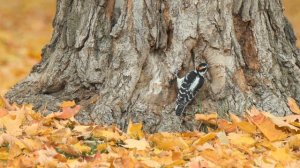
(25, 28)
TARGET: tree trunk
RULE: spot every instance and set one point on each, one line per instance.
(118, 60)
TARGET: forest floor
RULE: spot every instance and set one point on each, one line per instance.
(28, 139)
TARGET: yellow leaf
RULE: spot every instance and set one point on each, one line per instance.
(241, 139)
(81, 147)
(100, 132)
(167, 141)
(67, 104)
(13, 121)
(32, 144)
(135, 130)
(293, 105)
(267, 144)
(205, 139)
(138, 144)
(150, 163)
(32, 130)
(282, 155)
(3, 154)
(2, 102)
(247, 127)
(102, 147)
(61, 135)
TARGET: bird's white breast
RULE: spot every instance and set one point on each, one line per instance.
(194, 84)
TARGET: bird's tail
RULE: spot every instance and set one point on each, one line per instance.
(179, 109)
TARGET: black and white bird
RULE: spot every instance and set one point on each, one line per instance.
(188, 87)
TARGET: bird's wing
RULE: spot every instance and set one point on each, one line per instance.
(185, 93)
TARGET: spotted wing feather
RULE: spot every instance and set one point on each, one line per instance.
(187, 91)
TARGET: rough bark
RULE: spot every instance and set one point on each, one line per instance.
(118, 60)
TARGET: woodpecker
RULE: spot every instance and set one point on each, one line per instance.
(188, 87)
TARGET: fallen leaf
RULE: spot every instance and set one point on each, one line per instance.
(200, 162)
(67, 112)
(150, 163)
(291, 118)
(282, 155)
(13, 121)
(294, 142)
(3, 112)
(82, 148)
(135, 130)
(3, 154)
(32, 130)
(206, 117)
(266, 126)
(293, 105)
(280, 122)
(102, 147)
(99, 132)
(234, 118)
(65, 104)
(226, 126)
(138, 144)
(241, 139)
(247, 127)
(223, 138)
(166, 141)
(205, 139)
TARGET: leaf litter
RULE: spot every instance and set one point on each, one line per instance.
(258, 139)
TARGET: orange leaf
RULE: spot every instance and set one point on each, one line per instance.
(268, 128)
(206, 117)
(279, 122)
(3, 112)
(293, 105)
(226, 126)
(68, 112)
(67, 104)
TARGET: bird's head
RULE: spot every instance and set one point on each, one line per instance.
(202, 68)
